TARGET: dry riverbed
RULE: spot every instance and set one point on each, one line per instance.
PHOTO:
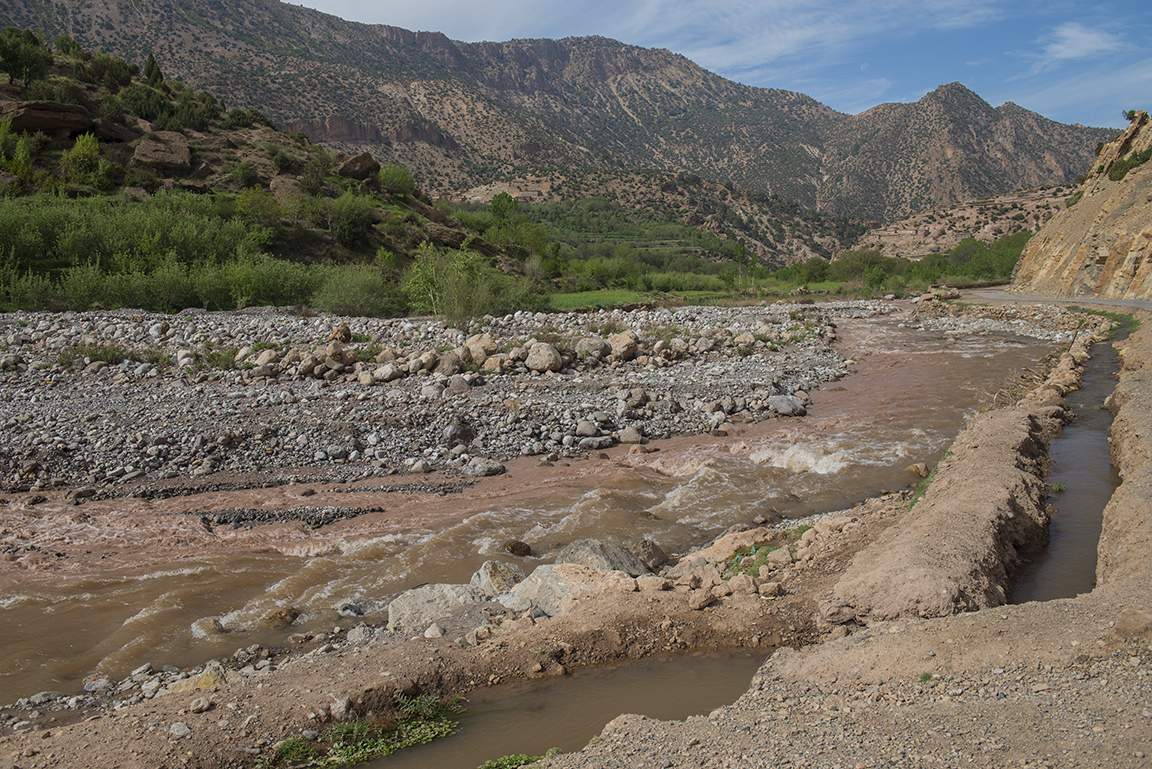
(857, 698)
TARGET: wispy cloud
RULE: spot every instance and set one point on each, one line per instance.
(1073, 41)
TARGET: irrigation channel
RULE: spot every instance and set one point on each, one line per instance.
(1084, 477)
(910, 394)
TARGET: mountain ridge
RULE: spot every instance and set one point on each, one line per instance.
(466, 114)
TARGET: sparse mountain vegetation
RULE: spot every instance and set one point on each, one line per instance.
(464, 115)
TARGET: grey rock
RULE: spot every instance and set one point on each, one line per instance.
(496, 577)
(631, 435)
(482, 467)
(543, 357)
(595, 444)
(593, 348)
(360, 635)
(547, 587)
(179, 730)
(787, 405)
(650, 554)
(424, 605)
(603, 556)
(586, 429)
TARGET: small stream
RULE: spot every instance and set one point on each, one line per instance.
(1082, 467)
(530, 717)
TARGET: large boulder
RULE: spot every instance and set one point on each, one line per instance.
(624, 345)
(421, 606)
(550, 588)
(362, 167)
(482, 467)
(543, 357)
(592, 348)
(496, 577)
(165, 152)
(53, 118)
(787, 405)
(602, 555)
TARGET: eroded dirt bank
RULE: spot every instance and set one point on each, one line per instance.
(1061, 683)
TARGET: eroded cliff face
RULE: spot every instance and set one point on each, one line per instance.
(1101, 246)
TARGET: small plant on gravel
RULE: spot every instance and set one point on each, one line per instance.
(224, 358)
(516, 760)
(111, 354)
(361, 338)
(366, 354)
(925, 677)
(1059, 487)
(291, 752)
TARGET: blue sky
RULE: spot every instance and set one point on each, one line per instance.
(1074, 62)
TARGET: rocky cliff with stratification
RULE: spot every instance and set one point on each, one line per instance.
(1100, 246)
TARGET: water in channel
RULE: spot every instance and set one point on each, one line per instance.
(1082, 468)
(910, 395)
(529, 717)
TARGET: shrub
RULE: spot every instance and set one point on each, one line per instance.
(83, 161)
(244, 175)
(397, 180)
(349, 219)
(359, 290)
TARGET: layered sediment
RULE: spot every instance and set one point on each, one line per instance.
(1099, 246)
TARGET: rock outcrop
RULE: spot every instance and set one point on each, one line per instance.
(53, 118)
(1100, 246)
(165, 152)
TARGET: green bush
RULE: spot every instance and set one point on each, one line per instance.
(358, 290)
(397, 180)
(1121, 167)
(83, 161)
(349, 219)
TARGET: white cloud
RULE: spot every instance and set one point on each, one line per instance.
(1076, 41)
(1073, 41)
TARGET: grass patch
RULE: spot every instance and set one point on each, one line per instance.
(925, 677)
(517, 760)
(419, 720)
(112, 354)
(922, 486)
(748, 560)
(583, 299)
(1127, 322)
(224, 358)
(1059, 487)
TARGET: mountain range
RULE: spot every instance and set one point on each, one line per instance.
(461, 115)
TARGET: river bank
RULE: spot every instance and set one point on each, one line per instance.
(726, 622)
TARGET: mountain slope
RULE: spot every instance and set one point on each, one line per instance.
(466, 114)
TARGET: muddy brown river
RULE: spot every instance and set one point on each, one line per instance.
(165, 592)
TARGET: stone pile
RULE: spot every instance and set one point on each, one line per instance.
(107, 398)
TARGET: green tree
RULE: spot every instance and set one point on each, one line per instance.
(316, 173)
(152, 71)
(258, 206)
(503, 207)
(23, 56)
